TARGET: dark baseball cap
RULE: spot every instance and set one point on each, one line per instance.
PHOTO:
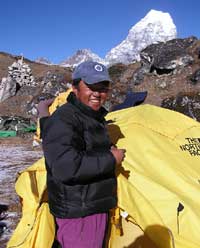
(91, 72)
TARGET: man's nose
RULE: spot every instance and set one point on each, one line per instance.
(96, 93)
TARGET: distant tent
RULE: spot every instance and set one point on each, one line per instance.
(15, 125)
(132, 99)
(12, 133)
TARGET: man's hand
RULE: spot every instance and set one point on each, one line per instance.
(43, 107)
(119, 154)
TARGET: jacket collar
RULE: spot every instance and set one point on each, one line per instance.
(99, 115)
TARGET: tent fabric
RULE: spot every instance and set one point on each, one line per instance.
(59, 100)
(131, 99)
(36, 228)
(158, 183)
(5, 134)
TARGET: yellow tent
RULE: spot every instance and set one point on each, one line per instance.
(59, 100)
(36, 228)
(158, 183)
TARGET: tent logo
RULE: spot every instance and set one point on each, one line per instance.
(192, 146)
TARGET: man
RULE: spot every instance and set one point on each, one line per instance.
(80, 160)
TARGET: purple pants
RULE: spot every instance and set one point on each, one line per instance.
(85, 232)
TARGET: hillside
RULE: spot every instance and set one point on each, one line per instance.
(168, 71)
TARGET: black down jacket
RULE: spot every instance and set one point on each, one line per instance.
(80, 167)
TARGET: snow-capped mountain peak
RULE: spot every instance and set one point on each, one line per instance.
(156, 26)
(43, 60)
(81, 56)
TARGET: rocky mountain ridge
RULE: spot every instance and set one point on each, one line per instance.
(168, 71)
(81, 56)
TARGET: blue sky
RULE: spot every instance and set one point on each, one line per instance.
(57, 29)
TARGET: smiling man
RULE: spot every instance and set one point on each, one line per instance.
(80, 160)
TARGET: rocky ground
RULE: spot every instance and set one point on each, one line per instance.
(16, 154)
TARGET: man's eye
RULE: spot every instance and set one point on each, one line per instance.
(100, 89)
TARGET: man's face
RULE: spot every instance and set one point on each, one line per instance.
(93, 95)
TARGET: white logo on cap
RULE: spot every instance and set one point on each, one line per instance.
(98, 68)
